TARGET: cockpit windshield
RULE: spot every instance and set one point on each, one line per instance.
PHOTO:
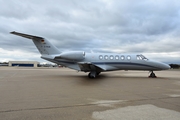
(141, 57)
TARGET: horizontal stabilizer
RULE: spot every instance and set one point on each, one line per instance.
(26, 35)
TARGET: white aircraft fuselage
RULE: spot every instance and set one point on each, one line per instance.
(94, 63)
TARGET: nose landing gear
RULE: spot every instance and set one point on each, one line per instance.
(152, 75)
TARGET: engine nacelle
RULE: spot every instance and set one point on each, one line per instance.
(73, 55)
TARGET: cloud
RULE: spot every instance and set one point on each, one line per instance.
(102, 25)
(8, 55)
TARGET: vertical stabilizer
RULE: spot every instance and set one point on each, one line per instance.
(43, 45)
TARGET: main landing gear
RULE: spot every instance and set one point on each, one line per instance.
(93, 74)
(152, 75)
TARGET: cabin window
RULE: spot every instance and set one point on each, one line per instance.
(128, 57)
(117, 57)
(111, 57)
(105, 57)
(100, 57)
(122, 57)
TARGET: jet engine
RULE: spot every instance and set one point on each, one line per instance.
(73, 55)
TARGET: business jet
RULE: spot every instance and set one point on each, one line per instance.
(94, 63)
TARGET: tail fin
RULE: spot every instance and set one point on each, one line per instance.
(43, 45)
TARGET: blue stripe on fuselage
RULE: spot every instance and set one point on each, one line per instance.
(122, 63)
(112, 63)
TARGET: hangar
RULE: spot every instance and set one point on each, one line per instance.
(23, 63)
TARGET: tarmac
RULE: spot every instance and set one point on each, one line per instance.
(64, 94)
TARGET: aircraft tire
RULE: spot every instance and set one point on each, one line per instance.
(98, 73)
(91, 76)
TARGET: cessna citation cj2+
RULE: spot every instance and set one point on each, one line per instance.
(94, 63)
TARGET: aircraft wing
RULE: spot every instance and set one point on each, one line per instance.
(86, 67)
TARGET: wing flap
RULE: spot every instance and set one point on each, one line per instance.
(86, 67)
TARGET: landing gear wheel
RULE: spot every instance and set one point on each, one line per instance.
(152, 75)
(93, 74)
(90, 75)
(98, 73)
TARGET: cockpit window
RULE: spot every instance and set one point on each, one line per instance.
(141, 57)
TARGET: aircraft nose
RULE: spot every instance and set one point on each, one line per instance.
(165, 66)
(160, 65)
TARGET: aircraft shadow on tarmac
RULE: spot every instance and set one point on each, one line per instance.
(106, 76)
(82, 79)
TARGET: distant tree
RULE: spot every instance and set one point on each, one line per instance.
(175, 66)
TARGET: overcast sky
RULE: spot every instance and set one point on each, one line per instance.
(150, 27)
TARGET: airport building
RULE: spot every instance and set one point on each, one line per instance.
(23, 63)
